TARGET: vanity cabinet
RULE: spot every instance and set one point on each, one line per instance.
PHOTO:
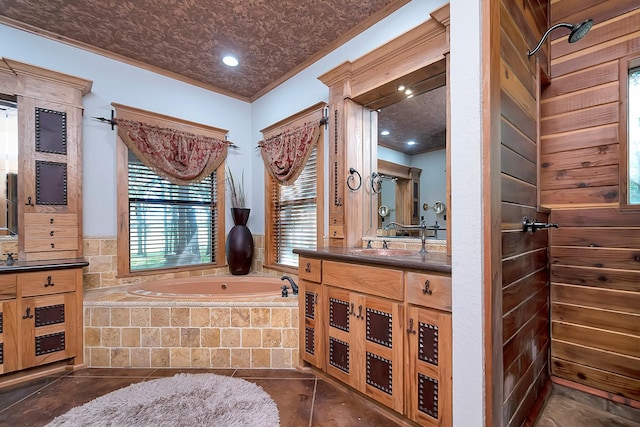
(41, 293)
(42, 323)
(383, 331)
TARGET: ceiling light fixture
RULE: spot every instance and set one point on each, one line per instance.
(230, 61)
(401, 87)
(385, 133)
(408, 92)
(411, 143)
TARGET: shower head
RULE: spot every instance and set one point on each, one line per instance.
(578, 31)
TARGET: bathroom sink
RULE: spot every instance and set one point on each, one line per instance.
(382, 252)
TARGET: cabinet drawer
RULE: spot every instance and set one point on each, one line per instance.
(429, 290)
(377, 281)
(49, 226)
(7, 286)
(310, 269)
(51, 244)
(47, 282)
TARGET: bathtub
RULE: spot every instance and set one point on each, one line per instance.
(217, 288)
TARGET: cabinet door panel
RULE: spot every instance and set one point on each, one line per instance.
(383, 340)
(429, 372)
(8, 336)
(311, 339)
(340, 351)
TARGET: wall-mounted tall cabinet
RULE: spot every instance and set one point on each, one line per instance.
(41, 293)
(49, 132)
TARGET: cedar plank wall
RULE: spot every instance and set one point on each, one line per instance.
(595, 273)
(525, 274)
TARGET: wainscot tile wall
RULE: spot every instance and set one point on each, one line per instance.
(161, 334)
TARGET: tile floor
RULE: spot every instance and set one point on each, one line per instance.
(302, 398)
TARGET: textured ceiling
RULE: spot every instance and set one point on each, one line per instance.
(422, 119)
(188, 37)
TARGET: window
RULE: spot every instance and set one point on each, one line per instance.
(633, 137)
(294, 215)
(164, 227)
(169, 225)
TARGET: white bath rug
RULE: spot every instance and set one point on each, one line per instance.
(182, 400)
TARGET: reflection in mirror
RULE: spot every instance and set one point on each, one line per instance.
(8, 166)
(412, 133)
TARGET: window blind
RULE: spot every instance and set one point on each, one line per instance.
(169, 225)
(295, 214)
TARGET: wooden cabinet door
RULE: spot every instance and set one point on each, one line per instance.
(8, 336)
(342, 361)
(383, 351)
(47, 327)
(428, 378)
(311, 326)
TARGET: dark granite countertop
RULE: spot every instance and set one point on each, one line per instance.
(431, 261)
(54, 264)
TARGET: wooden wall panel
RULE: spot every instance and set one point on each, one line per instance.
(600, 136)
(525, 273)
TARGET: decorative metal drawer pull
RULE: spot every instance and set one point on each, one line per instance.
(426, 289)
(51, 233)
(29, 202)
(28, 314)
(308, 269)
(49, 283)
(51, 221)
(359, 315)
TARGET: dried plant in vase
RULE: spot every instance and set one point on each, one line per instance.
(236, 190)
(239, 246)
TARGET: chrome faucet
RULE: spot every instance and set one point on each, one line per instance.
(423, 231)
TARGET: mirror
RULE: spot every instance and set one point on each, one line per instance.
(8, 166)
(411, 116)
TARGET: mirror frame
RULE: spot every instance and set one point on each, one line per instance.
(351, 216)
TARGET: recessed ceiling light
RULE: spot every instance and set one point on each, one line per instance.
(385, 133)
(408, 92)
(230, 61)
(401, 87)
(410, 96)
(411, 143)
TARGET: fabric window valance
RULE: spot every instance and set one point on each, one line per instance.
(286, 153)
(180, 157)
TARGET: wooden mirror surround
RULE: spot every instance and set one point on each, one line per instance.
(352, 132)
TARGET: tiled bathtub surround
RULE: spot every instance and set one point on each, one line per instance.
(123, 330)
(126, 331)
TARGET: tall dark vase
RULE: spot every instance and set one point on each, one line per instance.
(239, 246)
